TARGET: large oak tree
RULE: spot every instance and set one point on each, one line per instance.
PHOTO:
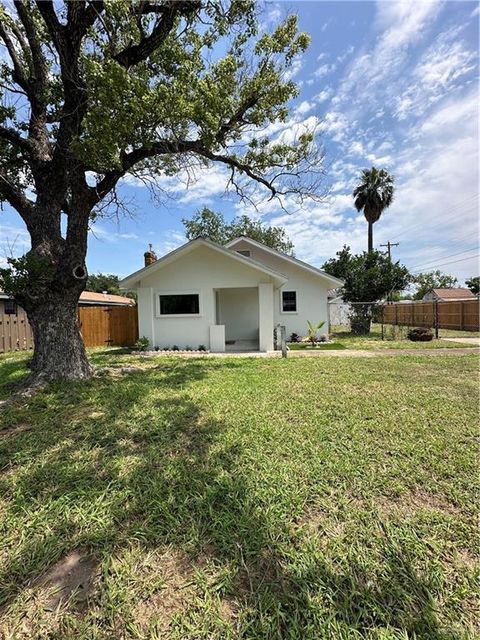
(94, 90)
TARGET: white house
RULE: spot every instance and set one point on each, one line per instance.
(227, 297)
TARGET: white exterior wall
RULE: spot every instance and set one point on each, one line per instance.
(201, 271)
(312, 292)
(237, 309)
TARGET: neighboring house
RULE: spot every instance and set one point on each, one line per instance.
(339, 310)
(233, 296)
(8, 305)
(448, 295)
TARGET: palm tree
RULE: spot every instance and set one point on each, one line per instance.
(373, 195)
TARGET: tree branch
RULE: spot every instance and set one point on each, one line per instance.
(19, 75)
(136, 53)
(12, 136)
(16, 198)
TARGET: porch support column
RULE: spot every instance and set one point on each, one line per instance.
(265, 312)
(146, 314)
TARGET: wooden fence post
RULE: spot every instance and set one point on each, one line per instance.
(462, 316)
(435, 317)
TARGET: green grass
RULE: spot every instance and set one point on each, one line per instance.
(328, 346)
(261, 499)
(395, 338)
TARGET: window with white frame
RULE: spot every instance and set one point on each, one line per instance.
(244, 253)
(179, 304)
(289, 301)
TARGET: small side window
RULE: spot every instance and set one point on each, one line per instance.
(289, 301)
(10, 307)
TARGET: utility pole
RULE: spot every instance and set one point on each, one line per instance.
(389, 246)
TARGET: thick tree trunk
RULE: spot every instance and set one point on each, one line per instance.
(370, 236)
(59, 352)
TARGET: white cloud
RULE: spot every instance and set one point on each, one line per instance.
(324, 95)
(324, 70)
(293, 70)
(304, 107)
(111, 235)
(435, 76)
(372, 76)
(14, 241)
(348, 52)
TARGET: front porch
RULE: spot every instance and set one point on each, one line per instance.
(244, 319)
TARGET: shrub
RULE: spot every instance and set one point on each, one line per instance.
(294, 337)
(142, 344)
(313, 330)
(175, 348)
(420, 334)
(202, 347)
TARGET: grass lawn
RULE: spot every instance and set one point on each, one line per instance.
(260, 499)
(395, 338)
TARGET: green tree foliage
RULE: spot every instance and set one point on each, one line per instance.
(368, 278)
(93, 91)
(109, 282)
(373, 195)
(474, 284)
(100, 282)
(212, 225)
(425, 282)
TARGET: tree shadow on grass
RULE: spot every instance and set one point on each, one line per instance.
(135, 460)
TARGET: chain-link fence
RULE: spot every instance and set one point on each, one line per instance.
(394, 320)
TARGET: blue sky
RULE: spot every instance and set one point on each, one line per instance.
(394, 84)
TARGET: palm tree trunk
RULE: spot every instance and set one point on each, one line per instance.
(370, 237)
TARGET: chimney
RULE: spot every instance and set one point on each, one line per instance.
(150, 256)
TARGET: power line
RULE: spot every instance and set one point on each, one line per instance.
(425, 264)
(454, 207)
(442, 264)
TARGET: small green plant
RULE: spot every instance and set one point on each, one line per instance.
(175, 347)
(313, 329)
(202, 347)
(142, 344)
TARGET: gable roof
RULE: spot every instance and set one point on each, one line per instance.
(131, 280)
(456, 293)
(335, 282)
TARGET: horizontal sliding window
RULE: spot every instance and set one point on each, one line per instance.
(175, 304)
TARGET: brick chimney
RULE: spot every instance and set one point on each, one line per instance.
(150, 256)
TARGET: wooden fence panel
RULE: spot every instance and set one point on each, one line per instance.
(462, 315)
(104, 326)
(99, 326)
(123, 326)
(94, 326)
(15, 332)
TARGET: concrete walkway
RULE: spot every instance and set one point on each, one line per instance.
(340, 353)
(473, 341)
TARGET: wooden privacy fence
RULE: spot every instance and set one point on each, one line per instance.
(99, 326)
(462, 314)
(15, 332)
(103, 326)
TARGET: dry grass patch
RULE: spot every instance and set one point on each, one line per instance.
(410, 504)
